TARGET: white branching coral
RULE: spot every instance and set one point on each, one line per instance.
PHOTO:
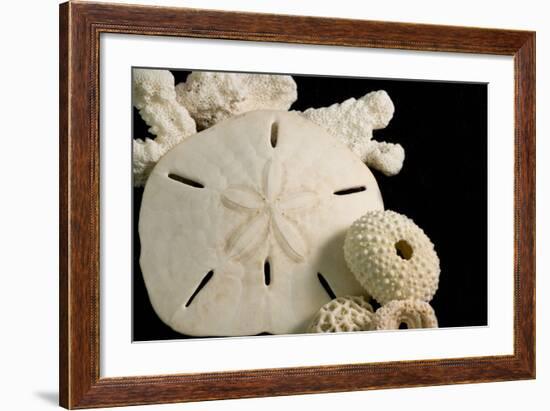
(385, 157)
(349, 313)
(154, 96)
(412, 313)
(391, 257)
(353, 122)
(211, 97)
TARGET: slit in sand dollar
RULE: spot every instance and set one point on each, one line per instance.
(256, 204)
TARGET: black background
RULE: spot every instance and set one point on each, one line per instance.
(442, 186)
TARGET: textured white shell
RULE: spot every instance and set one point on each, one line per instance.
(258, 204)
(371, 251)
(414, 313)
(343, 314)
(353, 122)
(212, 97)
(154, 96)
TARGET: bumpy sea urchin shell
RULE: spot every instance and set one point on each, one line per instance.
(350, 313)
(391, 257)
(412, 313)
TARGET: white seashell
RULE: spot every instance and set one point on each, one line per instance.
(343, 314)
(248, 208)
(154, 96)
(407, 255)
(413, 313)
(212, 97)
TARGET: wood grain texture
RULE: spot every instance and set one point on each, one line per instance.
(525, 203)
(64, 104)
(80, 27)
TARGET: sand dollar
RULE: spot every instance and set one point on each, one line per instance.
(242, 226)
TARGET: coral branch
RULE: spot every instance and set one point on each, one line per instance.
(385, 157)
(212, 97)
(155, 97)
(353, 122)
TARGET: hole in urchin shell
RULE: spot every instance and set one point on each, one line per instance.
(274, 134)
(403, 326)
(185, 180)
(326, 286)
(267, 272)
(404, 250)
(203, 282)
(351, 190)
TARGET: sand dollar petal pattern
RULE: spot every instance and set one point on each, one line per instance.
(239, 223)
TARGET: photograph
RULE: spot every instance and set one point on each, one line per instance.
(278, 203)
(275, 205)
(268, 204)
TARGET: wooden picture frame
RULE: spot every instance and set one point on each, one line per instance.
(80, 27)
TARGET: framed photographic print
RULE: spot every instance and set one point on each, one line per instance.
(256, 205)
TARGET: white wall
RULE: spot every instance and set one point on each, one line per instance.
(28, 217)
